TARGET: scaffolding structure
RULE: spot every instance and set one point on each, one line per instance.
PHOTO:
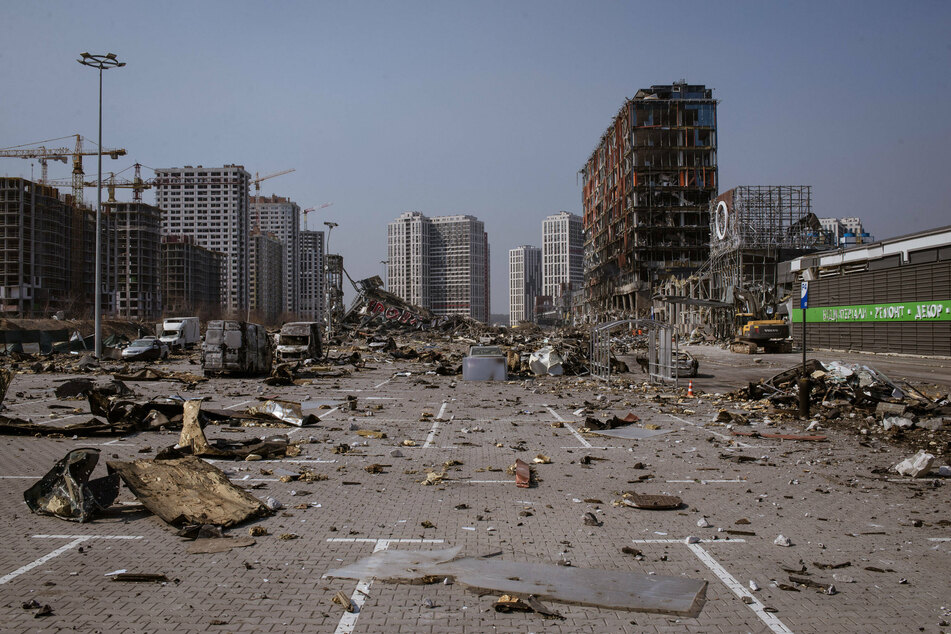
(752, 229)
(646, 194)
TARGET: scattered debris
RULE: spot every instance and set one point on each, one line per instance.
(67, 492)
(140, 577)
(210, 545)
(192, 441)
(916, 466)
(523, 474)
(649, 502)
(582, 586)
(188, 491)
(343, 600)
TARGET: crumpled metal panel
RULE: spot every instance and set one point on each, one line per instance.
(68, 493)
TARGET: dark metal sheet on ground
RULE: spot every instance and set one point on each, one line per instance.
(68, 493)
(612, 589)
(188, 491)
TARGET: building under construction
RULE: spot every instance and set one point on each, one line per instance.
(191, 278)
(752, 229)
(47, 256)
(266, 276)
(138, 240)
(647, 189)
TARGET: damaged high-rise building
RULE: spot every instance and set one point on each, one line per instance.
(646, 196)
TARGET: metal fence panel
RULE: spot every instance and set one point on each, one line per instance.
(661, 350)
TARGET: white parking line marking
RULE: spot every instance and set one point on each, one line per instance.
(379, 385)
(574, 431)
(76, 541)
(680, 541)
(442, 410)
(432, 432)
(349, 619)
(771, 621)
(42, 560)
(240, 404)
(939, 539)
(491, 481)
(42, 400)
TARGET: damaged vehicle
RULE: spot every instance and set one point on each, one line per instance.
(686, 365)
(145, 349)
(236, 347)
(299, 341)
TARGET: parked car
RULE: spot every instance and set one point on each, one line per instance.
(145, 349)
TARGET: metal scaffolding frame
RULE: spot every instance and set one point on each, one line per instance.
(752, 229)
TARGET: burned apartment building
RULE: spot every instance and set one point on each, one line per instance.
(440, 263)
(646, 196)
(190, 278)
(138, 239)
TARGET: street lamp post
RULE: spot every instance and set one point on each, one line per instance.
(102, 62)
(383, 264)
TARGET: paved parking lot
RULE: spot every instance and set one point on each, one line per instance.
(895, 535)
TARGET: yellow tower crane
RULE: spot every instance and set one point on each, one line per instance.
(45, 154)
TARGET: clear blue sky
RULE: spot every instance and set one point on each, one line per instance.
(491, 108)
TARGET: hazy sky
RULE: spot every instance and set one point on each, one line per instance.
(490, 108)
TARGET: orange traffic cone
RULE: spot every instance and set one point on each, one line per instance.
(690, 388)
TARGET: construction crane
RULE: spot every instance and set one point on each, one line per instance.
(61, 154)
(307, 211)
(257, 179)
(138, 184)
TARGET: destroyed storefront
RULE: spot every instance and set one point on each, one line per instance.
(890, 296)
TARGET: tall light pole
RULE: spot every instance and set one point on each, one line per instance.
(102, 62)
(383, 264)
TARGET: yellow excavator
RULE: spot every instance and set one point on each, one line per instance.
(754, 331)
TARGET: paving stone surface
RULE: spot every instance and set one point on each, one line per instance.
(823, 496)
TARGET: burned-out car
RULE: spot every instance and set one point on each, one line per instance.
(686, 364)
(145, 349)
(299, 341)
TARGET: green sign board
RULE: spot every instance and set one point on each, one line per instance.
(938, 310)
